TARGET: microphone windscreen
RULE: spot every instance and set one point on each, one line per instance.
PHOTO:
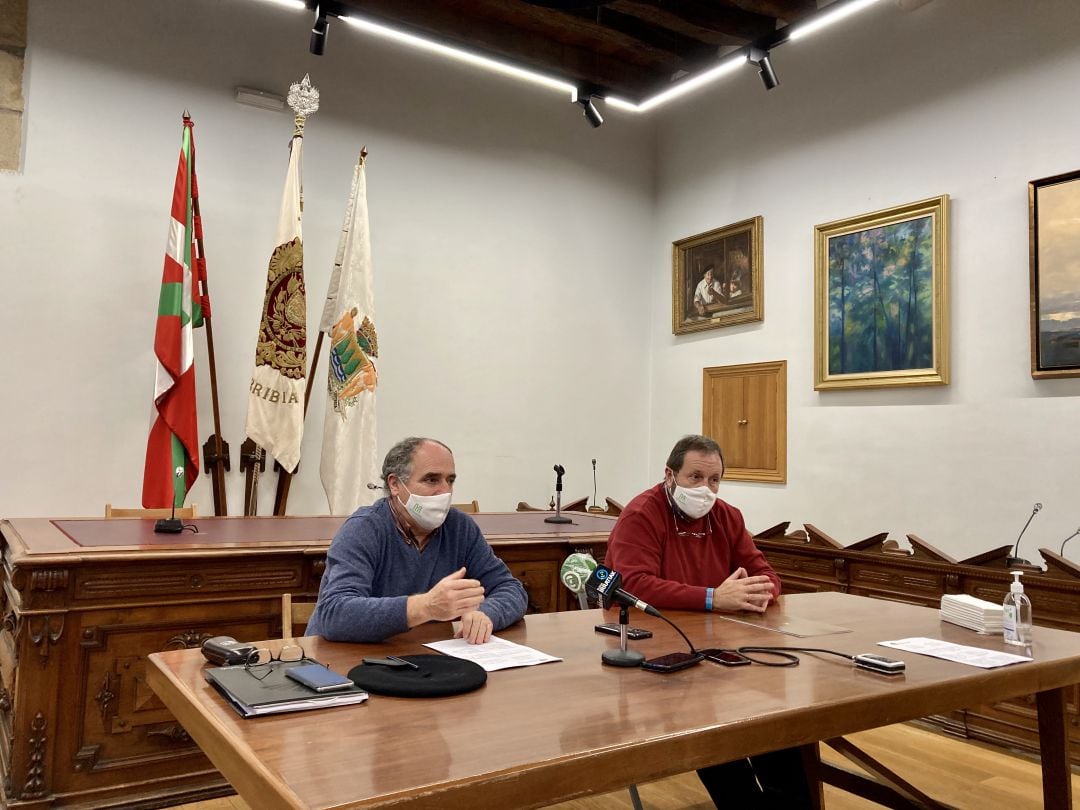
(576, 570)
(602, 585)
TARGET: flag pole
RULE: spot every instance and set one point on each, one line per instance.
(284, 480)
(215, 449)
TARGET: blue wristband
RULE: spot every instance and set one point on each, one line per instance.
(708, 599)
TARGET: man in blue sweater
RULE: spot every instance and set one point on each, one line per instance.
(410, 559)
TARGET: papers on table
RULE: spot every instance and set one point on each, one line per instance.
(973, 656)
(974, 614)
(496, 654)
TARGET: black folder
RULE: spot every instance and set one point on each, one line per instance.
(275, 693)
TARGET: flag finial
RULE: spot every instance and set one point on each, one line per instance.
(304, 101)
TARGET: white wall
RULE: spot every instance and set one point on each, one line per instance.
(523, 259)
(971, 98)
(507, 237)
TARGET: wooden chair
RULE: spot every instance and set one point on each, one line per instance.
(472, 507)
(293, 615)
(183, 513)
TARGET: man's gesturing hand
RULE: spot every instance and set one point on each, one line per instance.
(452, 596)
(741, 592)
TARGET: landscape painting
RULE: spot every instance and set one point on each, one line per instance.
(1054, 205)
(881, 312)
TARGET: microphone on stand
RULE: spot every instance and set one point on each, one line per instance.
(1014, 559)
(575, 572)
(171, 524)
(558, 517)
(603, 585)
(595, 507)
(1066, 540)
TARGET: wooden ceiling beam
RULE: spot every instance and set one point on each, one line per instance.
(542, 39)
(787, 10)
(682, 48)
(709, 22)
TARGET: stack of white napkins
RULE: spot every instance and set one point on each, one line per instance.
(974, 614)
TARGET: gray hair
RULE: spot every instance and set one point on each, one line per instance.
(399, 461)
(695, 441)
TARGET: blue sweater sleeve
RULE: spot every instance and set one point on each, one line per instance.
(351, 606)
(505, 599)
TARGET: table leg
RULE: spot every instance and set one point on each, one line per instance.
(1054, 750)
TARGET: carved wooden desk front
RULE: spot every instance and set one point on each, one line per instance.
(85, 601)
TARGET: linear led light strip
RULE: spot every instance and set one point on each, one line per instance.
(728, 65)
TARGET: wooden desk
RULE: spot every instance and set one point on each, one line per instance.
(84, 602)
(543, 734)
(811, 560)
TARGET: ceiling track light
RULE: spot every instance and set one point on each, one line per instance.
(318, 32)
(759, 58)
(592, 115)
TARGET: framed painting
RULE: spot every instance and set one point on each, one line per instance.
(716, 278)
(1053, 214)
(881, 309)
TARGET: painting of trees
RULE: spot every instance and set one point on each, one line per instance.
(881, 298)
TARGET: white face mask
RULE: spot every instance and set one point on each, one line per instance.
(427, 511)
(694, 503)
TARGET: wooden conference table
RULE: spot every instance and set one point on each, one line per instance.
(538, 735)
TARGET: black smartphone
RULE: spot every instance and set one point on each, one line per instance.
(318, 677)
(673, 662)
(729, 658)
(612, 629)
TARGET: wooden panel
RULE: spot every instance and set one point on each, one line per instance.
(78, 725)
(744, 407)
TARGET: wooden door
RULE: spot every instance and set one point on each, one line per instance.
(744, 407)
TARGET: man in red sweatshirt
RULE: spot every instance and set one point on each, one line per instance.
(678, 546)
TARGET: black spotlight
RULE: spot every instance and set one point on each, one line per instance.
(318, 33)
(760, 59)
(592, 115)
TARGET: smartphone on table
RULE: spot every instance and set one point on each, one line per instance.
(612, 629)
(729, 658)
(673, 662)
(318, 677)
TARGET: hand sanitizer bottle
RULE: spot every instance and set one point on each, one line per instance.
(1016, 614)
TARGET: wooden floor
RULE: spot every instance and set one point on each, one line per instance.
(957, 772)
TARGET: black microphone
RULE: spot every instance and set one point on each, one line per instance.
(558, 517)
(1014, 559)
(603, 585)
(171, 525)
(1066, 540)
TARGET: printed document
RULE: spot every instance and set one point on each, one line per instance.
(496, 654)
(973, 656)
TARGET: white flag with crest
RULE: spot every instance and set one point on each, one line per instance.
(349, 455)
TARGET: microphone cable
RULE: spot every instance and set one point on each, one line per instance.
(786, 654)
(689, 643)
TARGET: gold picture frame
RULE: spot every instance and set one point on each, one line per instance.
(1053, 210)
(881, 298)
(717, 278)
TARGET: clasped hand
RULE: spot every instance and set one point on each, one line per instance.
(742, 592)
